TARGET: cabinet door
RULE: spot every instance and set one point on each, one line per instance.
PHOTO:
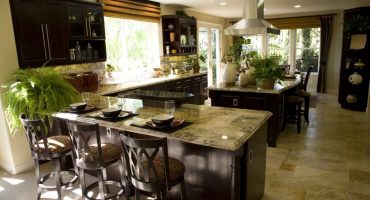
(95, 18)
(203, 89)
(55, 15)
(28, 31)
(78, 27)
(231, 101)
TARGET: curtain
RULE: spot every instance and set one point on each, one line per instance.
(142, 10)
(326, 25)
(295, 22)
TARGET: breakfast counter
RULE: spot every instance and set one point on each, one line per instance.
(215, 147)
(106, 89)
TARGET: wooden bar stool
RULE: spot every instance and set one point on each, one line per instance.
(150, 169)
(52, 148)
(302, 92)
(292, 111)
(93, 155)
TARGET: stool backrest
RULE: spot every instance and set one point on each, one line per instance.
(139, 156)
(305, 79)
(36, 132)
(84, 137)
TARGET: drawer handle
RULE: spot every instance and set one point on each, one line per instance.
(250, 156)
(235, 102)
(109, 132)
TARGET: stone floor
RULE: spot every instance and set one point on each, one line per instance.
(329, 159)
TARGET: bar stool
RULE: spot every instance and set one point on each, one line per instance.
(302, 92)
(149, 168)
(52, 148)
(292, 111)
(90, 154)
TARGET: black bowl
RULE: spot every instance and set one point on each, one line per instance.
(78, 106)
(162, 119)
(111, 112)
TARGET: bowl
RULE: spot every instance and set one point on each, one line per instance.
(162, 119)
(111, 112)
(78, 106)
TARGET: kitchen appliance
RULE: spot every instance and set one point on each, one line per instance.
(253, 22)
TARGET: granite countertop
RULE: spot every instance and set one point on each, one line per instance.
(106, 89)
(279, 88)
(218, 127)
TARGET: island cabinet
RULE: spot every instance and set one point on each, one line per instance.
(40, 28)
(258, 99)
(223, 149)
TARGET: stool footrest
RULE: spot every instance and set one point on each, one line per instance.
(117, 195)
(63, 184)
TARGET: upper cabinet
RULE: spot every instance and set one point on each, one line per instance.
(47, 31)
(355, 63)
(39, 36)
(179, 35)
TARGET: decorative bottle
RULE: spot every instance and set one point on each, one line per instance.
(89, 51)
(243, 78)
(78, 51)
(229, 73)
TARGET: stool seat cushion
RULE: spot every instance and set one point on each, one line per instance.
(110, 152)
(177, 170)
(56, 144)
(294, 100)
(303, 94)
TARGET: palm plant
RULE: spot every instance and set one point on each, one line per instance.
(37, 92)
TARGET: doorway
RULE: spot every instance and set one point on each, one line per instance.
(209, 46)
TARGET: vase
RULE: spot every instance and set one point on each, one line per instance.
(229, 73)
(243, 79)
(268, 84)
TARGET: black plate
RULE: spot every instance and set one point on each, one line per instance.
(120, 116)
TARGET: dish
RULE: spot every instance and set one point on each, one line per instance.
(111, 112)
(162, 120)
(123, 114)
(87, 108)
(175, 123)
(78, 106)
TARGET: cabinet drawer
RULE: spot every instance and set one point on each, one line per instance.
(231, 101)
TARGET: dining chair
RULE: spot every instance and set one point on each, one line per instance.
(91, 154)
(50, 148)
(302, 92)
(149, 167)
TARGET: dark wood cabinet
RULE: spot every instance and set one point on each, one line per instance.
(179, 35)
(353, 94)
(38, 30)
(45, 31)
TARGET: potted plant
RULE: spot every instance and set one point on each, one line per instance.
(38, 93)
(196, 61)
(267, 71)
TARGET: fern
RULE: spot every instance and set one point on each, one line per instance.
(37, 92)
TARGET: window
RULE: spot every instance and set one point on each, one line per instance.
(307, 49)
(132, 47)
(279, 45)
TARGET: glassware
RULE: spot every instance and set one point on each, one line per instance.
(85, 96)
(121, 101)
(169, 107)
(78, 51)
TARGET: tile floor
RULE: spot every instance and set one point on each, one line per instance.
(329, 159)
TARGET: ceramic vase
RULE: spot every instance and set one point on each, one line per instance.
(250, 75)
(229, 73)
(243, 79)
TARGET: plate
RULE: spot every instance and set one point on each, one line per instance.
(88, 108)
(175, 123)
(122, 115)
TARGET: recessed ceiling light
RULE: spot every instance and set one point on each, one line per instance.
(297, 6)
(222, 3)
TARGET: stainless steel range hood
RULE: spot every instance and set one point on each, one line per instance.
(253, 22)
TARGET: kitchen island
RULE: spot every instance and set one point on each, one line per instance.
(253, 97)
(223, 149)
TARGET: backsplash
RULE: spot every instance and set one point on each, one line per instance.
(97, 68)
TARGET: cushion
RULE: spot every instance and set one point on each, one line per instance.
(110, 152)
(303, 94)
(294, 100)
(56, 144)
(177, 170)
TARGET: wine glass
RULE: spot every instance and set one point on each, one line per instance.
(169, 107)
(85, 96)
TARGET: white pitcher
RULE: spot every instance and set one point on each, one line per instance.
(243, 79)
(229, 73)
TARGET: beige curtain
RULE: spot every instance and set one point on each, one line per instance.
(295, 22)
(142, 10)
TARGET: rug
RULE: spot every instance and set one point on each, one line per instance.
(314, 99)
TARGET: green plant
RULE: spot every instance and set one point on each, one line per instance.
(267, 68)
(235, 50)
(37, 93)
(110, 68)
(358, 23)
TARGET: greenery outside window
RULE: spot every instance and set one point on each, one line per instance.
(132, 47)
(307, 49)
(279, 45)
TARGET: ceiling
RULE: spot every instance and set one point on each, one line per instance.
(233, 9)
